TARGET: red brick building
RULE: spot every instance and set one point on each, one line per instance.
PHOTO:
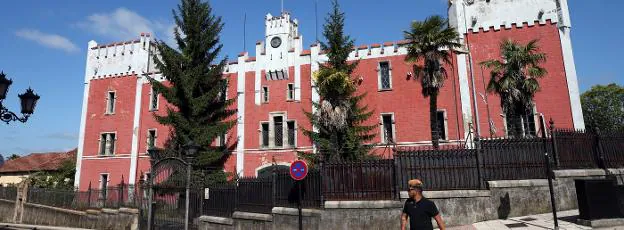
(275, 87)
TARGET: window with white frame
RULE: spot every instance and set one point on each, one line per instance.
(104, 181)
(265, 94)
(291, 133)
(110, 102)
(385, 76)
(387, 128)
(523, 124)
(220, 140)
(151, 138)
(107, 144)
(290, 94)
(153, 100)
(264, 139)
(278, 131)
(441, 120)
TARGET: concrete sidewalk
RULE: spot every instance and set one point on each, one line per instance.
(567, 220)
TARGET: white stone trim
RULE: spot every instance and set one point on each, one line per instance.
(81, 135)
(570, 67)
(135, 128)
(381, 126)
(379, 75)
(240, 102)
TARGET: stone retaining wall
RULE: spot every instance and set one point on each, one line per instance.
(502, 199)
(36, 214)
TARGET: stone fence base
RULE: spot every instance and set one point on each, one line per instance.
(36, 214)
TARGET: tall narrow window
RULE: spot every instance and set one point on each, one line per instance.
(265, 94)
(278, 131)
(291, 92)
(151, 138)
(103, 181)
(220, 140)
(153, 99)
(441, 119)
(521, 125)
(384, 76)
(103, 185)
(291, 133)
(265, 134)
(107, 144)
(110, 102)
(528, 124)
(223, 92)
(388, 129)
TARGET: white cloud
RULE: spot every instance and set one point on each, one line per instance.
(48, 40)
(123, 24)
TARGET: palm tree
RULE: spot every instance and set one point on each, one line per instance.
(515, 80)
(430, 40)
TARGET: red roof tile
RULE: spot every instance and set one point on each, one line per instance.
(38, 162)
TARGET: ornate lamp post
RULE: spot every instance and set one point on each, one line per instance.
(190, 150)
(28, 102)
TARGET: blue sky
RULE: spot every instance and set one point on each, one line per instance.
(43, 45)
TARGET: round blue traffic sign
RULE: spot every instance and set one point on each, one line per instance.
(298, 170)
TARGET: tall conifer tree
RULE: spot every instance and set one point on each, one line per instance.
(199, 112)
(340, 116)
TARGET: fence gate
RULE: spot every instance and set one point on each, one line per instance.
(169, 191)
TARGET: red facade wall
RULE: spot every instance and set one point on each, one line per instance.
(405, 100)
(553, 99)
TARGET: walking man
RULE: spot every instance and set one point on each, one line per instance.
(419, 209)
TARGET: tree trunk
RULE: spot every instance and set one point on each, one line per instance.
(433, 109)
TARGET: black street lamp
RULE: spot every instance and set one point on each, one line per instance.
(28, 102)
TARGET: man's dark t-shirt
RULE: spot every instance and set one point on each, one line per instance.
(420, 213)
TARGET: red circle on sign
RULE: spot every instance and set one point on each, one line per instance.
(298, 170)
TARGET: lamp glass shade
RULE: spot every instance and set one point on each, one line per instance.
(153, 152)
(29, 101)
(4, 85)
(191, 149)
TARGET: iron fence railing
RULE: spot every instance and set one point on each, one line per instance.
(286, 190)
(8, 193)
(365, 180)
(255, 195)
(612, 149)
(513, 158)
(575, 149)
(221, 200)
(588, 149)
(112, 197)
(447, 168)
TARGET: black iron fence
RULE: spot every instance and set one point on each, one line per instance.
(286, 193)
(8, 193)
(513, 159)
(588, 149)
(255, 195)
(221, 200)
(365, 180)
(447, 168)
(575, 149)
(111, 197)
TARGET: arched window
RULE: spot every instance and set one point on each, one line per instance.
(268, 171)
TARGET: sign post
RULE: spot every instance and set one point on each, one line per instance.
(298, 171)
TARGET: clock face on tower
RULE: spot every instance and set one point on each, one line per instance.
(276, 42)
